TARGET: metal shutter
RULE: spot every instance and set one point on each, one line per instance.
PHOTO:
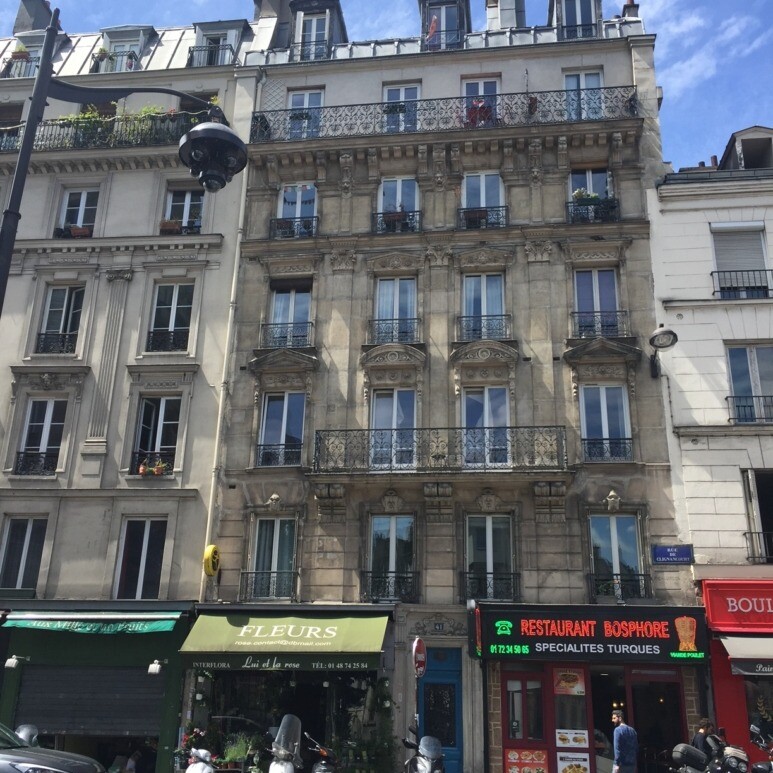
(739, 250)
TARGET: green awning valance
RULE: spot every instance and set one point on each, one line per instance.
(94, 622)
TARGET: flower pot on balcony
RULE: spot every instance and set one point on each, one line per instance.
(159, 469)
(168, 227)
(20, 56)
(80, 231)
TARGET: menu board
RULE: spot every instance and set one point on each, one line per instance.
(568, 681)
(526, 761)
(572, 762)
(572, 739)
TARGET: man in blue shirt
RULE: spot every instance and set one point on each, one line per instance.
(625, 743)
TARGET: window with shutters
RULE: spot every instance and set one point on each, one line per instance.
(740, 258)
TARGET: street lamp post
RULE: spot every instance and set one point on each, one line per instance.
(212, 151)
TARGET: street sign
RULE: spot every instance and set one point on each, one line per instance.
(419, 657)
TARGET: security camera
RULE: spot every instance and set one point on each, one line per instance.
(214, 153)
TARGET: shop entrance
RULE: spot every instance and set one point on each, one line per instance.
(440, 698)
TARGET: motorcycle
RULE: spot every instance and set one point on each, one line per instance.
(724, 758)
(327, 762)
(286, 747)
(766, 744)
(429, 754)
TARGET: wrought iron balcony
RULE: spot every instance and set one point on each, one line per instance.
(738, 285)
(473, 218)
(293, 227)
(607, 449)
(155, 463)
(495, 327)
(310, 50)
(171, 227)
(578, 32)
(278, 455)
(36, 463)
(389, 586)
(83, 231)
(759, 547)
(750, 409)
(494, 586)
(449, 114)
(442, 40)
(394, 331)
(287, 335)
(600, 324)
(592, 210)
(254, 586)
(167, 340)
(500, 449)
(56, 343)
(20, 68)
(396, 222)
(211, 56)
(115, 61)
(620, 586)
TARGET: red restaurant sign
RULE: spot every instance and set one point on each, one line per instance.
(739, 606)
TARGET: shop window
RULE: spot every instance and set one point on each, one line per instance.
(524, 705)
(61, 320)
(393, 429)
(21, 552)
(281, 434)
(171, 320)
(391, 559)
(759, 703)
(141, 555)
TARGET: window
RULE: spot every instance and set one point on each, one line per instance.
(396, 320)
(314, 37)
(123, 57)
(480, 102)
(606, 433)
(22, 549)
(297, 210)
(391, 558)
(584, 100)
(400, 110)
(290, 312)
(398, 201)
(483, 308)
(593, 181)
(42, 438)
(156, 442)
(61, 320)
(79, 210)
(486, 417)
(590, 196)
(281, 435)
(617, 568)
(595, 296)
(183, 211)
(482, 197)
(578, 19)
(171, 322)
(141, 556)
(305, 114)
(751, 382)
(216, 50)
(274, 559)
(393, 429)
(741, 266)
(524, 708)
(489, 558)
(444, 27)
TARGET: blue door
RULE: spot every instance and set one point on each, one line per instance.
(440, 701)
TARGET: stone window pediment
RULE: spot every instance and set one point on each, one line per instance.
(45, 379)
(484, 259)
(393, 366)
(285, 370)
(396, 262)
(162, 377)
(591, 253)
(483, 363)
(282, 266)
(603, 360)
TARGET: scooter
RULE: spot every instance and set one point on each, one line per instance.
(286, 747)
(766, 744)
(327, 762)
(429, 754)
(724, 757)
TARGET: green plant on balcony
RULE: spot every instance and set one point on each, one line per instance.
(20, 52)
(583, 196)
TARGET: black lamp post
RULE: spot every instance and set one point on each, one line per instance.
(212, 151)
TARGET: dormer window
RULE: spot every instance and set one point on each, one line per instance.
(579, 19)
(121, 49)
(216, 43)
(313, 37)
(444, 26)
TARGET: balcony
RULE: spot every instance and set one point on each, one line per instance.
(152, 463)
(475, 218)
(36, 463)
(489, 586)
(394, 331)
(259, 586)
(621, 587)
(750, 409)
(578, 32)
(396, 222)
(211, 56)
(278, 455)
(455, 449)
(115, 61)
(592, 210)
(740, 285)
(495, 327)
(389, 586)
(310, 51)
(759, 547)
(167, 340)
(443, 40)
(56, 343)
(607, 449)
(293, 227)
(451, 114)
(20, 68)
(287, 335)
(600, 324)
(83, 231)
(174, 227)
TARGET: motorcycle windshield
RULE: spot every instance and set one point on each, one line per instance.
(430, 747)
(287, 743)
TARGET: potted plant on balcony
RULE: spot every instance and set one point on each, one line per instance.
(20, 53)
(101, 54)
(159, 468)
(170, 227)
(143, 466)
(80, 231)
(581, 196)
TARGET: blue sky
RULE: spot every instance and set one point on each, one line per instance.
(714, 58)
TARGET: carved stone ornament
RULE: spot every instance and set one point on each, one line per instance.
(612, 501)
(550, 502)
(320, 161)
(49, 381)
(392, 502)
(484, 362)
(329, 490)
(563, 155)
(114, 274)
(535, 161)
(373, 167)
(610, 252)
(346, 163)
(392, 365)
(439, 167)
(439, 625)
(538, 251)
(439, 255)
(489, 502)
(274, 502)
(484, 258)
(282, 266)
(396, 261)
(343, 260)
(272, 172)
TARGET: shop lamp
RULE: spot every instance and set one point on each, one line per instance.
(14, 660)
(157, 666)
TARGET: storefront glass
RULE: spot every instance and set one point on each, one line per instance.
(759, 702)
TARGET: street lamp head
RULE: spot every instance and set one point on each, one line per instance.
(214, 153)
(663, 338)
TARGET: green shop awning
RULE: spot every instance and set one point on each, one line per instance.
(240, 642)
(94, 622)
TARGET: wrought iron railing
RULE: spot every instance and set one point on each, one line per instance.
(759, 547)
(607, 449)
(152, 463)
(293, 227)
(278, 454)
(440, 450)
(389, 586)
(394, 331)
(170, 227)
(451, 114)
(592, 211)
(737, 285)
(396, 222)
(578, 31)
(115, 61)
(20, 68)
(473, 218)
(600, 324)
(287, 335)
(254, 586)
(495, 327)
(167, 340)
(56, 343)
(211, 56)
(750, 409)
(620, 586)
(36, 463)
(497, 586)
(83, 231)
(443, 40)
(310, 50)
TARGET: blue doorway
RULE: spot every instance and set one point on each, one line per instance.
(440, 702)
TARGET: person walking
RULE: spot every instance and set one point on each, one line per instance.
(705, 728)
(625, 744)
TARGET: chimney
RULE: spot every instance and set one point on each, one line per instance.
(714, 161)
(510, 13)
(701, 164)
(631, 10)
(32, 15)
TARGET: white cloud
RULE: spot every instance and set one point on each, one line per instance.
(687, 74)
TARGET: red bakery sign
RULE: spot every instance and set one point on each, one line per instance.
(739, 606)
